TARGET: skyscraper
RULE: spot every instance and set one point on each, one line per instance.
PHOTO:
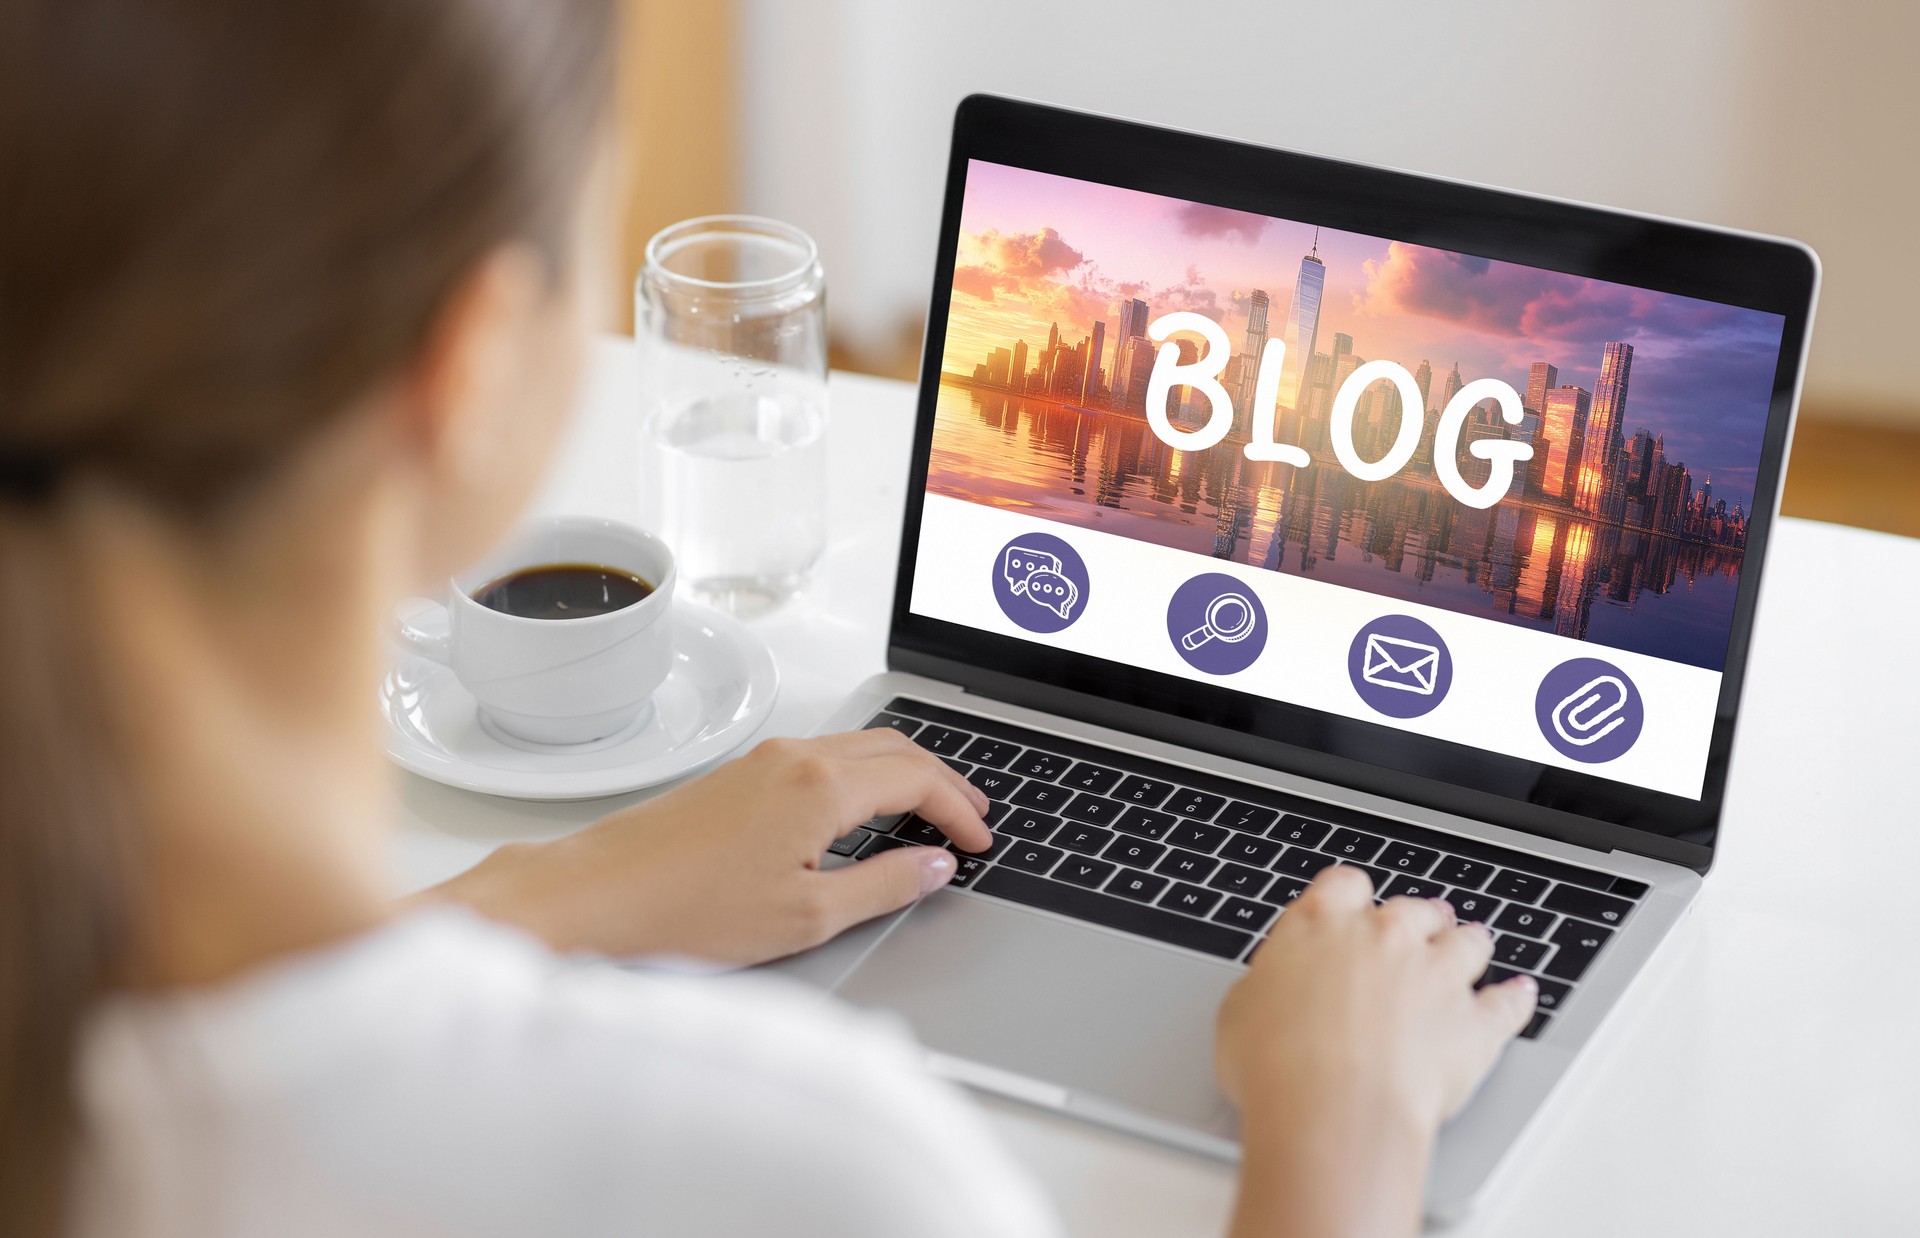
(1451, 388)
(1303, 325)
(1423, 379)
(1019, 374)
(1601, 455)
(1133, 321)
(1563, 424)
(1090, 381)
(1256, 344)
(1541, 379)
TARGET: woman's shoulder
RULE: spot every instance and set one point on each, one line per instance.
(443, 1049)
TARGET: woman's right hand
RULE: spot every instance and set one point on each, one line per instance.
(1354, 1034)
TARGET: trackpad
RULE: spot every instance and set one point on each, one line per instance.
(1093, 1011)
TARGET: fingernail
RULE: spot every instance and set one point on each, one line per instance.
(1525, 984)
(935, 870)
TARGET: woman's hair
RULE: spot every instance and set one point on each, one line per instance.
(221, 222)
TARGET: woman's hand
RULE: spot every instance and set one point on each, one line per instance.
(1355, 1033)
(726, 867)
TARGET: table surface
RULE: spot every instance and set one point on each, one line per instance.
(1759, 1078)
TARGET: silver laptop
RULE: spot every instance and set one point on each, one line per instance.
(1269, 512)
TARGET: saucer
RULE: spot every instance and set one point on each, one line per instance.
(720, 690)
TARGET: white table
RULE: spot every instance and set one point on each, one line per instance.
(1763, 1076)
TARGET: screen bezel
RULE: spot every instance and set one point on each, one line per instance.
(1663, 255)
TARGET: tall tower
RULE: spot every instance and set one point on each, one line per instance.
(1090, 381)
(1541, 379)
(1018, 378)
(1452, 387)
(1563, 425)
(1256, 344)
(1601, 456)
(1423, 379)
(1133, 321)
(1303, 324)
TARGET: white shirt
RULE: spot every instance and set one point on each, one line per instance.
(447, 1076)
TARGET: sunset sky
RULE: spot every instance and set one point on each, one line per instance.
(1036, 248)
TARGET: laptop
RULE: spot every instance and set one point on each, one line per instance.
(1269, 512)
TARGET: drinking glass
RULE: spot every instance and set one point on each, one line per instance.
(731, 316)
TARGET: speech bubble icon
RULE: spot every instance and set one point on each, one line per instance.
(1022, 562)
(1054, 591)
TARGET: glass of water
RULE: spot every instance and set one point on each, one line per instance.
(731, 315)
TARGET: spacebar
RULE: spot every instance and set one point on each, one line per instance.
(1115, 913)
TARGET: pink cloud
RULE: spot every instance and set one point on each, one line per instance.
(1030, 253)
(1199, 219)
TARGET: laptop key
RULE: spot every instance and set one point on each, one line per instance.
(1378, 876)
(1191, 899)
(1468, 905)
(1146, 792)
(996, 784)
(1252, 818)
(906, 726)
(920, 832)
(1033, 826)
(1627, 887)
(1031, 857)
(1284, 890)
(1519, 952)
(1408, 859)
(849, 843)
(1135, 851)
(1094, 809)
(1198, 805)
(1141, 887)
(1196, 837)
(1403, 886)
(1241, 880)
(995, 810)
(1553, 994)
(1086, 839)
(1114, 913)
(965, 869)
(1353, 845)
(1000, 843)
(1186, 865)
(1043, 795)
(1300, 832)
(1525, 920)
(1086, 776)
(1247, 914)
(1463, 874)
(1587, 904)
(1536, 1025)
(1494, 975)
(1045, 766)
(1251, 849)
(1578, 942)
(958, 766)
(1302, 863)
(1083, 871)
(1517, 887)
(943, 740)
(1145, 823)
(994, 752)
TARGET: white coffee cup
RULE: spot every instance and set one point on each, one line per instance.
(556, 681)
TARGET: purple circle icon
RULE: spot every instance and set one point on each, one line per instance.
(1040, 582)
(1589, 710)
(1400, 666)
(1216, 624)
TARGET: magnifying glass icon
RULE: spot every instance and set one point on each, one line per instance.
(1230, 620)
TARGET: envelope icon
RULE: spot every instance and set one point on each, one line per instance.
(1407, 665)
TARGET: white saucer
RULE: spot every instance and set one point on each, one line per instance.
(720, 690)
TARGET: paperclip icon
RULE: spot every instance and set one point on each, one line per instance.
(1592, 714)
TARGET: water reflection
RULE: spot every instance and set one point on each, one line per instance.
(1527, 564)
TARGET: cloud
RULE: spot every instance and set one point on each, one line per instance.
(1030, 254)
(983, 282)
(1199, 219)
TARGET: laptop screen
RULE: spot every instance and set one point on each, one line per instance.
(1464, 498)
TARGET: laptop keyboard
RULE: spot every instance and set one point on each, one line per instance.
(1209, 864)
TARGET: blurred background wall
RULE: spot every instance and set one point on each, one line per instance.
(1784, 116)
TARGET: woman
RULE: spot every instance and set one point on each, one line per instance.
(292, 297)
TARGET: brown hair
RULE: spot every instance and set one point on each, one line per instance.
(222, 221)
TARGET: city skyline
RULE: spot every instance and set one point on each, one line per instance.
(1046, 258)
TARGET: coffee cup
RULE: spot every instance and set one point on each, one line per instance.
(557, 676)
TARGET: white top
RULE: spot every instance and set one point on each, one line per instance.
(446, 1076)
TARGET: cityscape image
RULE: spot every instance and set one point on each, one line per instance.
(1644, 410)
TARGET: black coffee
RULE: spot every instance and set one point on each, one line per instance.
(562, 591)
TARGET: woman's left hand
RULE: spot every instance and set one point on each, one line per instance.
(726, 867)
